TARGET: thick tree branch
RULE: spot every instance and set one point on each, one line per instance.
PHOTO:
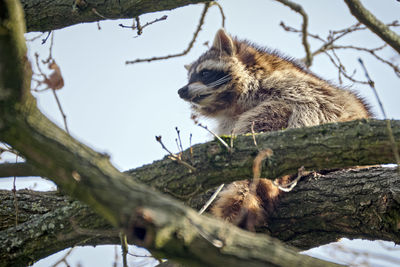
(354, 203)
(159, 223)
(328, 146)
(49, 223)
(375, 25)
(51, 15)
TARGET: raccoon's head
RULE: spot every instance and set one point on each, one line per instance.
(217, 78)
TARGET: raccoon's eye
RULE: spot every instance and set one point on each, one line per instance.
(205, 74)
(213, 78)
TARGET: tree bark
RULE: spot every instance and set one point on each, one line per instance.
(328, 146)
(17, 169)
(354, 203)
(52, 15)
(47, 223)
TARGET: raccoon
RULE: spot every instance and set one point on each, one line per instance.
(245, 87)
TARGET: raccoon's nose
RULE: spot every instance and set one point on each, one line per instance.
(184, 92)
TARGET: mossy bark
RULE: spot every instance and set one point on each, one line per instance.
(328, 146)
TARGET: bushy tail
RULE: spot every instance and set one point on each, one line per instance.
(244, 208)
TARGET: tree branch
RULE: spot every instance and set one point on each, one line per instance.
(304, 32)
(51, 15)
(375, 25)
(51, 224)
(17, 169)
(354, 203)
(328, 146)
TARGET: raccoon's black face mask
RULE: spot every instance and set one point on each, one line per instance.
(203, 84)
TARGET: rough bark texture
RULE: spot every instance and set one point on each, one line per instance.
(47, 223)
(51, 15)
(322, 209)
(355, 203)
(329, 146)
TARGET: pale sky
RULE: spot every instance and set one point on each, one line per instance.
(118, 109)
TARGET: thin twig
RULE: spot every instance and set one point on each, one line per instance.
(333, 36)
(201, 22)
(158, 139)
(216, 136)
(340, 67)
(190, 147)
(213, 3)
(61, 110)
(144, 256)
(179, 139)
(47, 37)
(35, 38)
(208, 203)
(371, 51)
(299, 9)
(173, 156)
(139, 27)
(14, 190)
(115, 264)
(253, 134)
(64, 258)
(388, 124)
(124, 248)
(50, 57)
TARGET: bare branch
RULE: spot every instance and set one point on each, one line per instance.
(216, 136)
(201, 22)
(212, 198)
(173, 156)
(299, 9)
(214, 3)
(375, 25)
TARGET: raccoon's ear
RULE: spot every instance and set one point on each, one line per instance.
(223, 42)
(187, 66)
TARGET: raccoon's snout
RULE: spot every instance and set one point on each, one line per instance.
(184, 92)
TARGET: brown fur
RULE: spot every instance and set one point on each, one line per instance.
(239, 84)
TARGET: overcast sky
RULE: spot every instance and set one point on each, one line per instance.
(118, 109)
